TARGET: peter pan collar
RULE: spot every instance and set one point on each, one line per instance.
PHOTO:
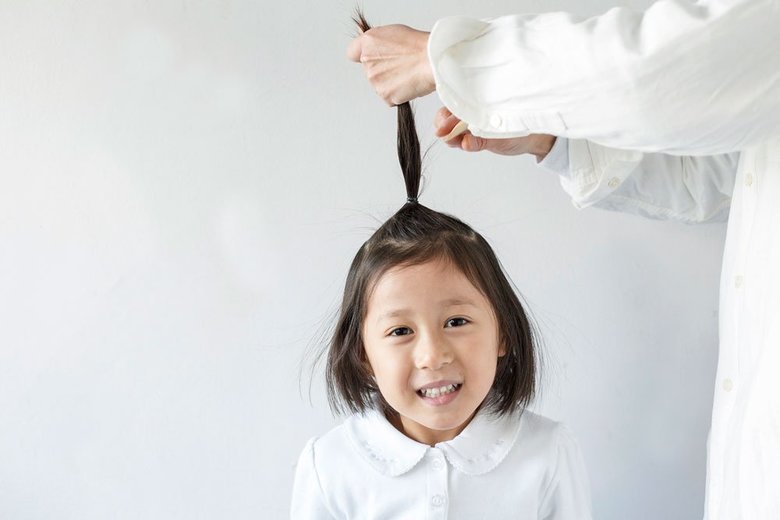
(479, 448)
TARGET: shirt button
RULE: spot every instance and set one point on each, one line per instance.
(739, 281)
(728, 384)
(748, 179)
(495, 120)
(437, 464)
(437, 500)
(613, 182)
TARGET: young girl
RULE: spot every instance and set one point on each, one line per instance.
(434, 357)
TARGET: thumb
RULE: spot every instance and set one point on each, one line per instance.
(355, 48)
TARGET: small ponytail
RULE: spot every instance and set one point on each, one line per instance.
(409, 151)
(408, 143)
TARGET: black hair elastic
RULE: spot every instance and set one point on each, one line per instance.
(411, 200)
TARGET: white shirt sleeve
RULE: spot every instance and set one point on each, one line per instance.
(688, 189)
(308, 499)
(682, 77)
(568, 493)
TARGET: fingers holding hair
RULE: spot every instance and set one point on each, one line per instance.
(395, 60)
(355, 48)
(445, 123)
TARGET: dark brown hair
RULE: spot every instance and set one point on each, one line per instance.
(414, 235)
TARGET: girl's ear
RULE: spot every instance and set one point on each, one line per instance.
(501, 349)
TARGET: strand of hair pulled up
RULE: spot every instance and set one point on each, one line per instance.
(408, 142)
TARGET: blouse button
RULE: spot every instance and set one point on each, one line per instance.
(728, 385)
(437, 500)
(495, 121)
(437, 464)
(748, 179)
(613, 182)
(739, 281)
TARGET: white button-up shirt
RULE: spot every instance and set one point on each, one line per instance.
(697, 80)
(517, 466)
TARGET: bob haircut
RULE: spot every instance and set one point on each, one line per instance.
(414, 235)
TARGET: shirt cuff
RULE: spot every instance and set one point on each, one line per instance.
(456, 51)
(557, 159)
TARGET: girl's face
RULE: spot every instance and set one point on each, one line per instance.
(431, 339)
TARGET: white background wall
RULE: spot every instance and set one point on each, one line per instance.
(183, 185)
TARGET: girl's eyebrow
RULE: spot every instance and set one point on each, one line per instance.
(391, 314)
(453, 302)
(449, 302)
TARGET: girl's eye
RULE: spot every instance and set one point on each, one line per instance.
(456, 322)
(400, 331)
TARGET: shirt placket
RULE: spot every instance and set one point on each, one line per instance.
(732, 346)
(743, 282)
(437, 477)
(748, 183)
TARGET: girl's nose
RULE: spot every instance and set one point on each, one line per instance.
(432, 352)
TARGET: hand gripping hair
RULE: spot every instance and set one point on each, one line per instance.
(414, 235)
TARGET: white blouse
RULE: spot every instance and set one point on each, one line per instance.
(700, 80)
(513, 467)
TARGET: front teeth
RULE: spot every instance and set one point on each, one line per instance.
(436, 392)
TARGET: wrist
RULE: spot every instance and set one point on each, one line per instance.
(541, 146)
(425, 63)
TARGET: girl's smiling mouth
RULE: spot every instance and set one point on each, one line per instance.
(439, 393)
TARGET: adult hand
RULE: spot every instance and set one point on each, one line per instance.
(536, 144)
(395, 59)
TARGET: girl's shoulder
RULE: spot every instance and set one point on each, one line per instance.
(544, 432)
(334, 441)
(327, 471)
(548, 445)
(534, 425)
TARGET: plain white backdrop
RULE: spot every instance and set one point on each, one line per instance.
(184, 184)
